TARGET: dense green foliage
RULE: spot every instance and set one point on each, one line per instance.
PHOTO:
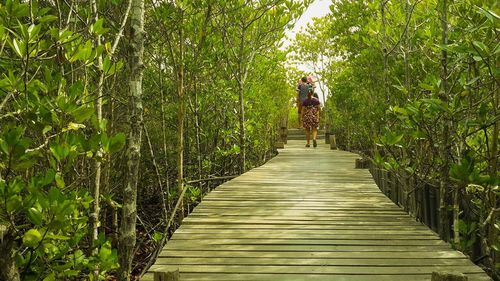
(64, 118)
(48, 135)
(383, 62)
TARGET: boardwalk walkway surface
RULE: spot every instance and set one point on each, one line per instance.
(306, 215)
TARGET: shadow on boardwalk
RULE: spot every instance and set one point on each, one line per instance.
(306, 215)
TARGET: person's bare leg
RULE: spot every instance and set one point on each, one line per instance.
(300, 115)
(315, 134)
(308, 136)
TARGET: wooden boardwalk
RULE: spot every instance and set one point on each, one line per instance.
(306, 215)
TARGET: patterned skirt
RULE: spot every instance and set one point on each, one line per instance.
(311, 118)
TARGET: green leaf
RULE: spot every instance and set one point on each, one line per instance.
(58, 237)
(400, 110)
(18, 47)
(32, 238)
(60, 151)
(23, 165)
(47, 18)
(82, 113)
(46, 129)
(157, 236)
(481, 46)
(59, 180)
(98, 28)
(76, 89)
(73, 127)
(117, 142)
(401, 88)
(83, 53)
(50, 277)
(35, 216)
(106, 64)
(14, 203)
(392, 138)
(426, 87)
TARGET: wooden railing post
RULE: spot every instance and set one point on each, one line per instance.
(167, 276)
(333, 142)
(327, 134)
(284, 130)
(443, 276)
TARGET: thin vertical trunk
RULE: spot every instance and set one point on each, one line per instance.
(493, 197)
(164, 134)
(180, 122)
(99, 104)
(242, 127)
(98, 164)
(158, 176)
(384, 48)
(242, 72)
(456, 212)
(127, 238)
(407, 51)
(445, 147)
(8, 264)
(198, 132)
(196, 101)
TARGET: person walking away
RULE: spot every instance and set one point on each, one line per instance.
(311, 110)
(302, 90)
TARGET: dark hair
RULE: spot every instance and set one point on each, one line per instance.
(304, 79)
(311, 89)
(316, 95)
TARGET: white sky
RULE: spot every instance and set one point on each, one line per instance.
(318, 8)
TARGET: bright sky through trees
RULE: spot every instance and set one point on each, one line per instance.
(318, 8)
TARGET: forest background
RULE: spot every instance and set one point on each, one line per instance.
(113, 110)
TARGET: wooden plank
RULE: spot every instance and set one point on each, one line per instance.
(178, 245)
(312, 277)
(265, 221)
(305, 226)
(312, 236)
(320, 262)
(350, 232)
(314, 269)
(296, 212)
(278, 206)
(326, 242)
(429, 254)
(318, 223)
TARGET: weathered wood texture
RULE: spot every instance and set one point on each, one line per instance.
(307, 214)
(167, 275)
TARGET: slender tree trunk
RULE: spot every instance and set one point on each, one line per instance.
(241, 117)
(180, 123)
(158, 176)
(9, 270)
(407, 50)
(99, 104)
(492, 196)
(384, 48)
(203, 37)
(456, 218)
(164, 134)
(129, 209)
(198, 132)
(445, 147)
(98, 164)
